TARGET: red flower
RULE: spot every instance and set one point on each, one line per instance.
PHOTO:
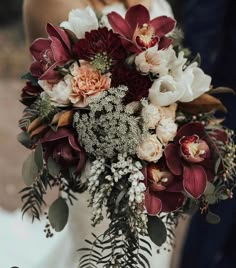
(101, 48)
(63, 148)
(138, 32)
(164, 190)
(138, 85)
(29, 93)
(189, 156)
(49, 53)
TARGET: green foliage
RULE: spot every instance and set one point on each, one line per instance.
(30, 169)
(53, 167)
(32, 197)
(25, 139)
(212, 218)
(156, 230)
(58, 214)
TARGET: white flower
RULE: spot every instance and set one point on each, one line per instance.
(197, 83)
(150, 149)
(153, 60)
(81, 21)
(165, 91)
(176, 64)
(151, 115)
(58, 93)
(166, 130)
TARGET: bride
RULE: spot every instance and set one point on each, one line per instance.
(36, 13)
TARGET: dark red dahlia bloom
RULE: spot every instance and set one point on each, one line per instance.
(63, 148)
(48, 53)
(138, 32)
(164, 190)
(102, 48)
(30, 93)
(138, 85)
(189, 156)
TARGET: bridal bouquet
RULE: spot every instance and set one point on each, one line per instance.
(116, 107)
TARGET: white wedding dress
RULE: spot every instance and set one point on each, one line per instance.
(24, 245)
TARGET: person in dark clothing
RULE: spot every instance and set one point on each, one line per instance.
(210, 29)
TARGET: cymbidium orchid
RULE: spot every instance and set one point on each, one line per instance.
(49, 53)
(138, 32)
(164, 190)
(189, 156)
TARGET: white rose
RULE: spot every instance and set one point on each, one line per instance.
(176, 64)
(58, 93)
(81, 21)
(197, 83)
(151, 115)
(166, 130)
(165, 91)
(150, 149)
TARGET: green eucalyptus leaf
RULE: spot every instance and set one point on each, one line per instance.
(156, 230)
(39, 156)
(29, 170)
(25, 140)
(31, 78)
(211, 199)
(58, 214)
(53, 167)
(212, 218)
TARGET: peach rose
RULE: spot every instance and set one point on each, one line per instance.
(86, 82)
(151, 115)
(166, 130)
(150, 149)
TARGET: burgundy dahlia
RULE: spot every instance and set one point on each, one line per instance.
(138, 32)
(189, 156)
(101, 47)
(63, 148)
(48, 53)
(164, 190)
(138, 85)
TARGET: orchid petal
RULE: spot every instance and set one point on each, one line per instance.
(194, 180)
(171, 201)
(195, 128)
(152, 203)
(164, 42)
(119, 25)
(137, 15)
(162, 25)
(173, 160)
(57, 32)
(35, 69)
(59, 51)
(39, 45)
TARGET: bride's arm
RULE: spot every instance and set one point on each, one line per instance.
(37, 13)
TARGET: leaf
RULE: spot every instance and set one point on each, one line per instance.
(38, 157)
(25, 139)
(156, 230)
(203, 104)
(212, 218)
(32, 79)
(34, 124)
(58, 214)
(220, 90)
(29, 170)
(38, 130)
(197, 59)
(53, 167)
(61, 119)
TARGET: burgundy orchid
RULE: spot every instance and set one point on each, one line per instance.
(48, 53)
(63, 148)
(138, 32)
(164, 190)
(189, 156)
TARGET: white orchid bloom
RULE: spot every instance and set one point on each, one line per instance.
(81, 21)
